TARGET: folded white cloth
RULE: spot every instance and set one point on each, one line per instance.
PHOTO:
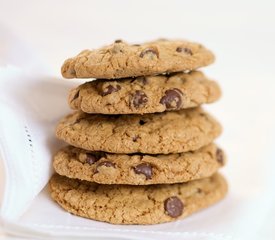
(26, 147)
(30, 105)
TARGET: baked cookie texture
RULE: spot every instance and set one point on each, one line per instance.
(120, 59)
(144, 94)
(138, 169)
(140, 147)
(159, 133)
(126, 204)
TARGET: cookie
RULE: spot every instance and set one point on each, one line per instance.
(138, 169)
(144, 94)
(159, 133)
(126, 204)
(120, 59)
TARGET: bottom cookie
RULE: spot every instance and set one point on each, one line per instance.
(125, 204)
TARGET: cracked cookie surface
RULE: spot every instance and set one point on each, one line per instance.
(159, 133)
(138, 169)
(120, 59)
(126, 204)
(144, 94)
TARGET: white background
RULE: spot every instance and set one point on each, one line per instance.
(241, 34)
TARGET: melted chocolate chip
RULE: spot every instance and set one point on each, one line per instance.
(219, 156)
(91, 158)
(184, 50)
(118, 41)
(141, 122)
(151, 51)
(106, 164)
(173, 207)
(145, 169)
(136, 45)
(172, 98)
(110, 89)
(139, 99)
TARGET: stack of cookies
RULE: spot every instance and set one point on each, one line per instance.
(140, 148)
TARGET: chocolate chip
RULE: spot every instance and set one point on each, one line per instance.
(91, 158)
(151, 51)
(141, 122)
(110, 89)
(219, 156)
(139, 99)
(118, 41)
(136, 45)
(106, 164)
(172, 98)
(173, 207)
(184, 50)
(145, 169)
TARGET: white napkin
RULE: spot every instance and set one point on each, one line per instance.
(26, 147)
(29, 108)
(30, 105)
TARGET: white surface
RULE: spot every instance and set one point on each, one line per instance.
(241, 33)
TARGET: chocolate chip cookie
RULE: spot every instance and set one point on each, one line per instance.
(126, 204)
(144, 94)
(159, 133)
(120, 59)
(138, 169)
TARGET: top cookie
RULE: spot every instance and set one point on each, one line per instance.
(120, 59)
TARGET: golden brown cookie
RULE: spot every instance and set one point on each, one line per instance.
(126, 204)
(159, 133)
(138, 169)
(144, 94)
(120, 59)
